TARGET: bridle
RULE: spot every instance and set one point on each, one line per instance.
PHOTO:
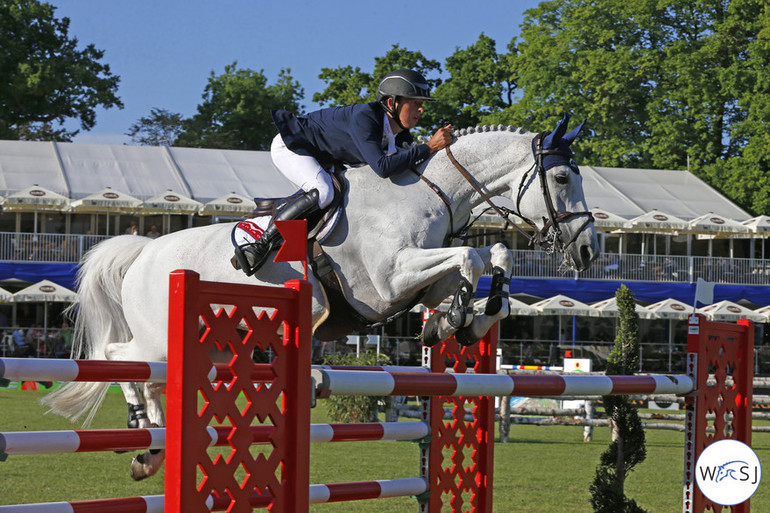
(549, 237)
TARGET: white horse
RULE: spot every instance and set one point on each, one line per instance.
(388, 249)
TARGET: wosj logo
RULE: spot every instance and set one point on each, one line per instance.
(728, 472)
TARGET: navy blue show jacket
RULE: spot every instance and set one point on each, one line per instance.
(352, 135)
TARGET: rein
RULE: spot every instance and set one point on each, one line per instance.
(550, 236)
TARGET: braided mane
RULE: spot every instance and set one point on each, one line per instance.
(477, 129)
(489, 128)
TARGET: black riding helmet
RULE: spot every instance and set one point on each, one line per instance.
(402, 83)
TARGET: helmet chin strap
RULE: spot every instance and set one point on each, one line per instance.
(395, 113)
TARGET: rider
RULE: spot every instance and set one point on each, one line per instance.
(358, 134)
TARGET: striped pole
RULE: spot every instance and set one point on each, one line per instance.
(341, 382)
(54, 442)
(48, 369)
(320, 493)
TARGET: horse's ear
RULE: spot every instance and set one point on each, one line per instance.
(570, 137)
(552, 139)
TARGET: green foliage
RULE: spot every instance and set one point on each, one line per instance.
(235, 113)
(628, 449)
(480, 83)
(160, 128)
(346, 85)
(355, 408)
(663, 85)
(46, 79)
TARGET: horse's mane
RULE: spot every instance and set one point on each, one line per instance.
(460, 132)
(489, 128)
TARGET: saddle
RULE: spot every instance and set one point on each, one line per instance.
(345, 319)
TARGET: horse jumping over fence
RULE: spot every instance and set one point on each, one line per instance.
(388, 248)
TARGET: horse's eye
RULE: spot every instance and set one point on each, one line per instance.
(561, 178)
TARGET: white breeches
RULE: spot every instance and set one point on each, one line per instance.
(303, 171)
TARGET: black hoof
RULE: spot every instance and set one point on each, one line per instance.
(429, 334)
(465, 337)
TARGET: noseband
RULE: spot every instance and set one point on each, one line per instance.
(549, 237)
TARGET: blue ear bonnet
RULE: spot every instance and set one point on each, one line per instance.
(556, 146)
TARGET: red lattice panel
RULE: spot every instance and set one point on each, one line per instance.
(461, 452)
(239, 318)
(722, 354)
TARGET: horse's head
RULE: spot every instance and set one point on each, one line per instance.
(559, 211)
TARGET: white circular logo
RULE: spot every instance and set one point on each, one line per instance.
(728, 472)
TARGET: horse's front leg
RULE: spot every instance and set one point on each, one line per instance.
(469, 327)
(497, 306)
(414, 269)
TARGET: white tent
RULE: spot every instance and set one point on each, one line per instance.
(47, 291)
(108, 200)
(77, 170)
(764, 312)
(670, 309)
(730, 312)
(229, 205)
(657, 222)
(34, 199)
(759, 225)
(714, 224)
(608, 220)
(563, 305)
(609, 308)
(169, 202)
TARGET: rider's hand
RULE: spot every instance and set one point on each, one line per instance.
(441, 139)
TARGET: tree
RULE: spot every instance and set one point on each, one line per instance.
(664, 84)
(480, 83)
(347, 85)
(235, 113)
(160, 128)
(44, 79)
(628, 445)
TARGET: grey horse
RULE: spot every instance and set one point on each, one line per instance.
(388, 249)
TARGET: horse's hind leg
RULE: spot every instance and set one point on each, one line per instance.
(148, 463)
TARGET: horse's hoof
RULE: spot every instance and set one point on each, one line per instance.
(430, 336)
(138, 472)
(465, 337)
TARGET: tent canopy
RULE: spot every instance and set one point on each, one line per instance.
(108, 200)
(670, 309)
(230, 204)
(609, 308)
(35, 199)
(46, 291)
(78, 170)
(730, 312)
(563, 305)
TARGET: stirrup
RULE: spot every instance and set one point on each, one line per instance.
(249, 266)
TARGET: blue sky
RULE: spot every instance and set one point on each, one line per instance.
(164, 51)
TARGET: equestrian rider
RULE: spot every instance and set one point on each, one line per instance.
(369, 133)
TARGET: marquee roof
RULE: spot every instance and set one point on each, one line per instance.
(79, 170)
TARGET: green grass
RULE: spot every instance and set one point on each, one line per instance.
(542, 469)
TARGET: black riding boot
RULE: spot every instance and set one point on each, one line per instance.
(250, 257)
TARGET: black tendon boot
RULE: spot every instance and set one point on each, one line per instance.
(251, 257)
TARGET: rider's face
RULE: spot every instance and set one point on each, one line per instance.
(409, 112)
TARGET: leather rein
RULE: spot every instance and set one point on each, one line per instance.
(549, 237)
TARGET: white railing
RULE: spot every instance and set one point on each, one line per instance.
(45, 247)
(51, 247)
(634, 267)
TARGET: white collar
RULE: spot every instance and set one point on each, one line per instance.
(388, 136)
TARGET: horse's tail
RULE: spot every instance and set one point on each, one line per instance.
(99, 321)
